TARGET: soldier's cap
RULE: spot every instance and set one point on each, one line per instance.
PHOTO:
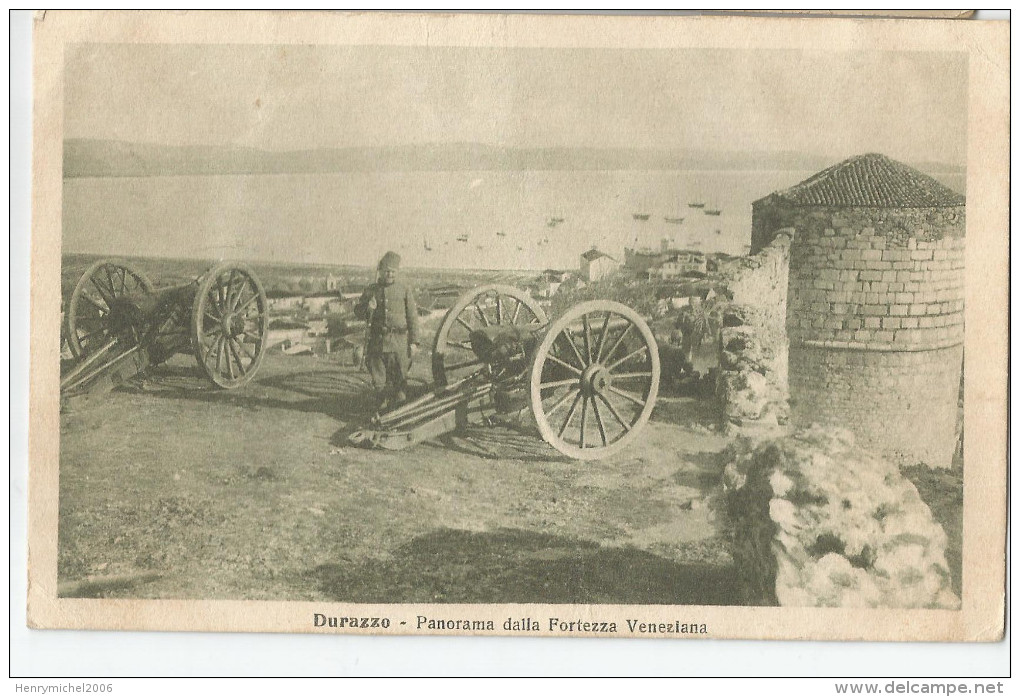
(390, 260)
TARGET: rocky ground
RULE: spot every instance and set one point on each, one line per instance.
(170, 488)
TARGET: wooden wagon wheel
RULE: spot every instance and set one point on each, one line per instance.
(594, 379)
(452, 357)
(229, 324)
(87, 313)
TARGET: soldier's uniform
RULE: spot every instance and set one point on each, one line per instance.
(392, 329)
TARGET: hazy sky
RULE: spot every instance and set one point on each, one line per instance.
(911, 106)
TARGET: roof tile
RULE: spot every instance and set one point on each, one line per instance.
(872, 180)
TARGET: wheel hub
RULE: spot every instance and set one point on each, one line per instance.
(596, 379)
(232, 324)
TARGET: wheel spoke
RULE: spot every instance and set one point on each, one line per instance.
(237, 357)
(630, 355)
(460, 344)
(499, 309)
(231, 298)
(630, 396)
(619, 340)
(83, 337)
(517, 311)
(230, 364)
(244, 306)
(465, 364)
(481, 313)
(123, 281)
(630, 376)
(570, 414)
(223, 291)
(106, 294)
(465, 324)
(94, 304)
(109, 281)
(598, 421)
(612, 410)
(587, 337)
(563, 400)
(558, 383)
(563, 363)
(212, 317)
(584, 417)
(602, 338)
(573, 346)
(240, 293)
(213, 347)
(240, 345)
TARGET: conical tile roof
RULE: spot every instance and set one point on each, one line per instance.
(872, 180)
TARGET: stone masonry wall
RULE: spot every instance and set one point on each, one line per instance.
(900, 404)
(875, 322)
(857, 288)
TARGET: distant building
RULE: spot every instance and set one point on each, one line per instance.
(596, 265)
(321, 303)
(548, 284)
(282, 300)
(334, 283)
(679, 264)
(641, 260)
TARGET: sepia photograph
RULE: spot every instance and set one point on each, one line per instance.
(481, 337)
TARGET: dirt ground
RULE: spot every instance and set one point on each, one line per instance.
(171, 488)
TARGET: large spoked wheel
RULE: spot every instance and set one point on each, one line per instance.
(594, 379)
(485, 306)
(87, 324)
(229, 324)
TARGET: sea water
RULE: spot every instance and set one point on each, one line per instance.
(446, 219)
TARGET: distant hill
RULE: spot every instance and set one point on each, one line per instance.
(111, 158)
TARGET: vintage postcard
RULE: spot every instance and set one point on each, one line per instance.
(519, 325)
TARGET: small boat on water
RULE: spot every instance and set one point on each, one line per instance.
(642, 216)
(713, 211)
(696, 204)
(462, 238)
(553, 222)
(501, 234)
(673, 221)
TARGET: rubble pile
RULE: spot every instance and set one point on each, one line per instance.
(817, 522)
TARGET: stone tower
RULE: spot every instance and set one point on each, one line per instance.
(875, 304)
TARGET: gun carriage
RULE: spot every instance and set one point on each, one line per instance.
(590, 377)
(117, 324)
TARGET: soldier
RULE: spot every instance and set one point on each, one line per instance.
(389, 307)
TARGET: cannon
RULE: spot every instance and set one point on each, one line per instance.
(590, 377)
(117, 324)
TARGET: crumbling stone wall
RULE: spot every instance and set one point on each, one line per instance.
(816, 521)
(875, 322)
(752, 385)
